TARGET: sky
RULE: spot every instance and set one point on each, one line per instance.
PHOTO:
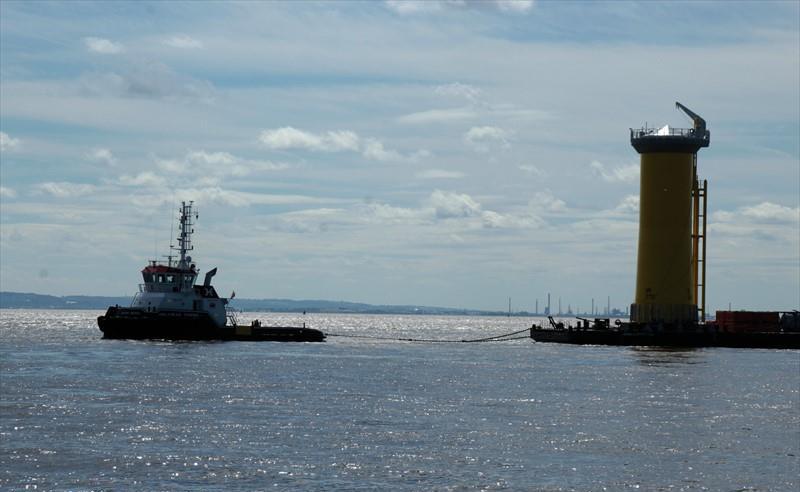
(440, 153)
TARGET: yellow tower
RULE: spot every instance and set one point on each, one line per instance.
(668, 256)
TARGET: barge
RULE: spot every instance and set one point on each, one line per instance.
(785, 334)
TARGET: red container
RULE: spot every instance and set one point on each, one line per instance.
(748, 321)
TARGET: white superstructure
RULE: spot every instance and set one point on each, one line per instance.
(170, 287)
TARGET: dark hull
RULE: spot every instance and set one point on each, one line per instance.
(133, 324)
(776, 340)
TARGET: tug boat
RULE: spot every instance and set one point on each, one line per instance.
(170, 306)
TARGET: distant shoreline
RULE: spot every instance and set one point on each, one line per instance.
(21, 300)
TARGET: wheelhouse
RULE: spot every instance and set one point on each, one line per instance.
(163, 278)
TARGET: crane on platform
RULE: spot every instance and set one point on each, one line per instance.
(699, 123)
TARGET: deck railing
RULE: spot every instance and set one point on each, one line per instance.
(668, 132)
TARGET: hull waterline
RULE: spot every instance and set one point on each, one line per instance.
(777, 340)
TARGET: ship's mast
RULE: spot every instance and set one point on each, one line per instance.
(186, 230)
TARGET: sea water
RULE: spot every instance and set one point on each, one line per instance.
(81, 413)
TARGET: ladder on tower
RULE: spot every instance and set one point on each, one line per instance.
(699, 212)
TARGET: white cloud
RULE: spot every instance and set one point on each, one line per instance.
(628, 205)
(384, 213)
(312, 220)
(480, 138)
(457, 89)
(7, 143)
(316, 213)
(184, 42)
(290, 138)
(419, 154)
(476, 107)
(518, 6)
(453, 205)
(772, 212)
(460, 210)
(763, 212)
(267, 165)
(342, 140)
(373, 149)
(172, 166)
(222, 197)
(146, 178)
(624, 174)
(438, 174)
(65, 189)
(209, 167)
(511, 111)
(494, 220)
(438, 116)
(103, 46)
(545, 201)
(211, 158)
(216, 163)
(102, 155)
(532, 170)
(287, 137)
(363, 214)
(218, 195)
(7, 192)
(406, 7)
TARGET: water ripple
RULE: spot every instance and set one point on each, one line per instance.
(78, 412)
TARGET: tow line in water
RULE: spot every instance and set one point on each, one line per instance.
(506, 337)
